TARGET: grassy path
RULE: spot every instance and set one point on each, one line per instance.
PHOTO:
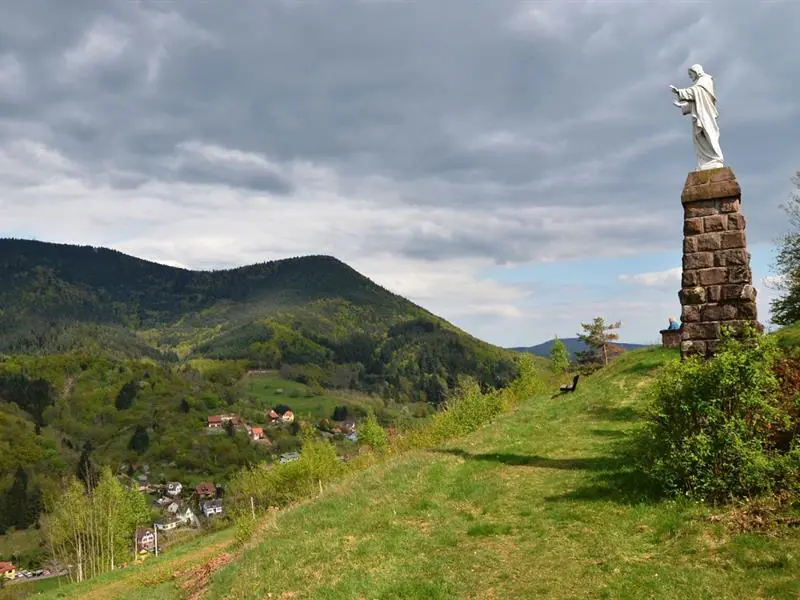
(538, 505)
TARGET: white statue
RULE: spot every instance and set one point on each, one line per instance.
(700, 102)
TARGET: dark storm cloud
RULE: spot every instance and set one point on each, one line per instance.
(492, 108)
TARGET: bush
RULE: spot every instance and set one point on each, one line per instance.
(713, 424)
(370, 433)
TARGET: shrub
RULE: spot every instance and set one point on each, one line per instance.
(712, 425)
(370, 433)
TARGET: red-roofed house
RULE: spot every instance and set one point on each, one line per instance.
(273, 416)
(215, 421)
(8, 570)
(256, 433)
(288, 417)
(206, 490)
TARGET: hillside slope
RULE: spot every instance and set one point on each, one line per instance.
(544, 503)
(316, 313)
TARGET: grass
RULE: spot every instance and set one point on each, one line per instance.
(18, 542)
(542, 503)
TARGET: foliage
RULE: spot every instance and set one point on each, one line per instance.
(278, 485)
(786, 308)
(94, 531)
(715, 424)
(600, 338)
(371, 434)
(559, 356)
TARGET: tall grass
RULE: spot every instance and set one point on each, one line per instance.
(258, 488)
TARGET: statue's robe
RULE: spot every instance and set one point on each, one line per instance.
(702, 106)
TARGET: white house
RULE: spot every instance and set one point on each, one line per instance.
(188, 517)
(168, 525)
(211, 508)
(173, 508)
(174, 488)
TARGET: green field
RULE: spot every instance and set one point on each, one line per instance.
(542, 503)
(267, 390)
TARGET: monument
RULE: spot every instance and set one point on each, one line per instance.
(717, 283)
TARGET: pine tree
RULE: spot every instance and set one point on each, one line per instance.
(600, 339)
(17, 499)
(140, 440)
(184, 406)
(559, 356)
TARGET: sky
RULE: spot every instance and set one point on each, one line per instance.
(515, 167)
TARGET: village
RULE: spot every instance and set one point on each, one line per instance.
(195, 507)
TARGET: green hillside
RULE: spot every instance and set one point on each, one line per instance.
(333, 325)
(543, 502)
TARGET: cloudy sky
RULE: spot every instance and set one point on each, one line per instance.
(513, 166)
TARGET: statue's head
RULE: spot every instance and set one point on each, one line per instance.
(695, 72)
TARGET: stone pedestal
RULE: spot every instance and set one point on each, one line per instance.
(717, 284)
(671, 338)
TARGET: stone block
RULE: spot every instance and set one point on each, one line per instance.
(698, 260)
(689, 245)
(748, 310)
(730, 258)
(730, 205)
(693, 347)
(714, 223)
(712, 276)
(714, 293)
(711, 312)
(694, 226)
(732, 239)
(701, 331)
(721, 174)
(690, 313)
(711, 347)
(740, 274)
(729, 312)
(690, 279)
(736, 222)
(738, 291)
(709, 241)
(703, 208)
(693, 295)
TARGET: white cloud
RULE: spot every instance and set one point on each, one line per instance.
(670, 277)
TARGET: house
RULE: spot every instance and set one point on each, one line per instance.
(215, 422)
(289, 457)
(145, 539)
(164, 501)
(211, 508)
(353, 437)
(273, 416)
(173, 508)
(256, 433)
(349, 426)
(288, 417)
(188, 517)
(174, 488)
(206, 490)
(169, 524)
(8, 570)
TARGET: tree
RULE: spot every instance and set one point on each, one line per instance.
(230, 429)
(17, 500)
(371, 434)
(786, 308)
(184, 406)
(86, 470)
(599, 339)
(559, 356)
(340, 413)
(140, 440)
(126, 395)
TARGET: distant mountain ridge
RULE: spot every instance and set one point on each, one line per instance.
(573, 345)
(314, 311)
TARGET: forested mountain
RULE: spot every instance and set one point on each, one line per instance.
(315, 314)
